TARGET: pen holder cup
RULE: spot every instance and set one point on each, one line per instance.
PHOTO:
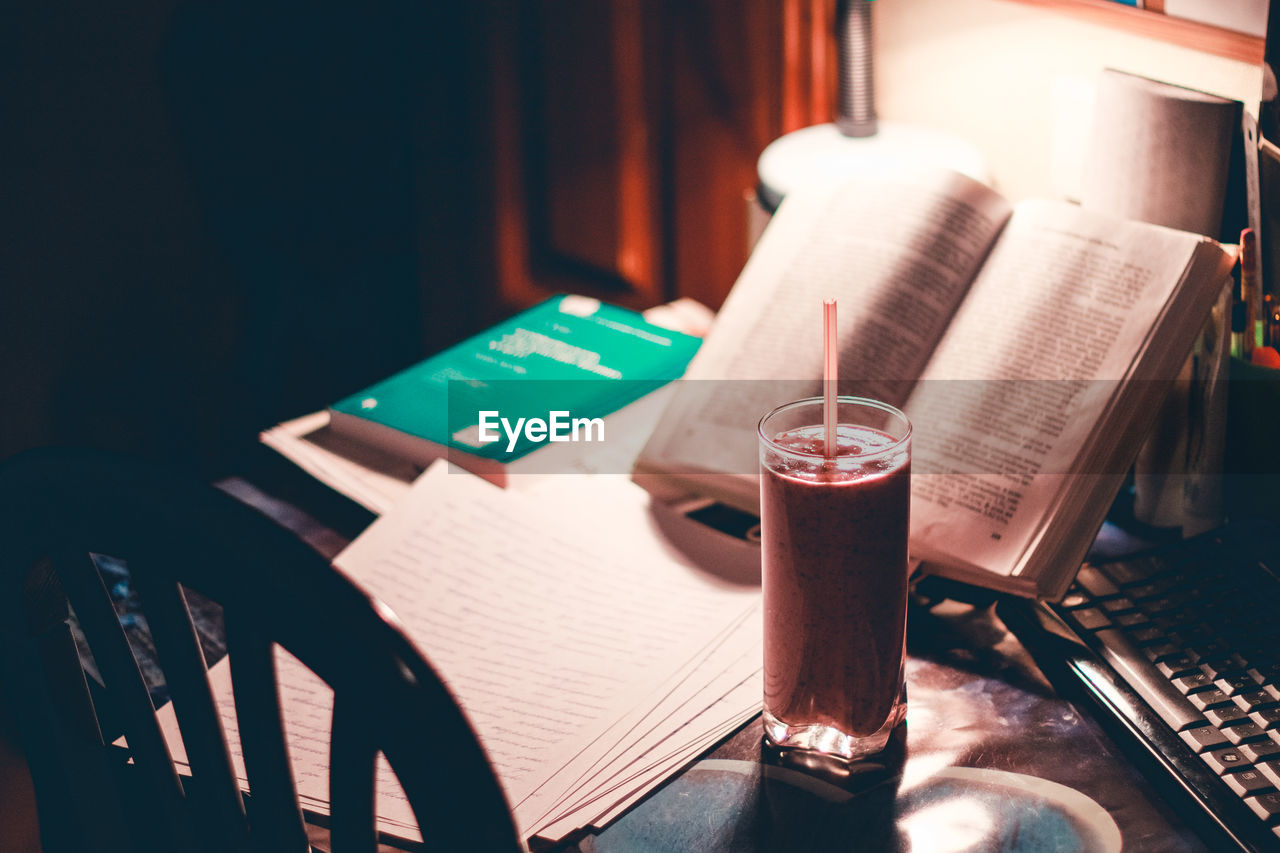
(1252, 482)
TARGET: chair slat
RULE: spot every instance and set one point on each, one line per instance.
(158, 779)
(275, 820)
(48, 668)
(183, 663)
(352, 755)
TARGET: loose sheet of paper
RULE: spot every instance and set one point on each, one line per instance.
(718, 687)
(557, 641)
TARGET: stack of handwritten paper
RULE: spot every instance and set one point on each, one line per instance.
(591, 661)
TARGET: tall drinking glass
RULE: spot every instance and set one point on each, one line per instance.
(834, 547)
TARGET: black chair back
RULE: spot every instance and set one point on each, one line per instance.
(59, 508)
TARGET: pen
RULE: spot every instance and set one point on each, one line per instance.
(1239, 314)
(1250, 292)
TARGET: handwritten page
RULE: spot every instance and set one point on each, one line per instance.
(307, 704)
(544, 633)
(556, 641)
(689, 711)
(722, 688)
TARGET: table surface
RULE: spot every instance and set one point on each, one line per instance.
(991, 758)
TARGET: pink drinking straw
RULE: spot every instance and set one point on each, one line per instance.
(829, 378)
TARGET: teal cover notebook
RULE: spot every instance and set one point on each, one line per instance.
(563, 362)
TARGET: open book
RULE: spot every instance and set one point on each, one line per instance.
(1029, 344)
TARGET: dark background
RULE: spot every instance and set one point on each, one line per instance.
(219, 215)
(216, 216)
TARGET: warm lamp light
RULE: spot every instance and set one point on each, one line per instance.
(857, 140)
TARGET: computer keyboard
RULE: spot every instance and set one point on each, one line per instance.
(1179, 647)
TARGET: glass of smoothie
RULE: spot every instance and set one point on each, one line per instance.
(834, 552)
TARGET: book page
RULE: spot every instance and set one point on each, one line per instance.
(898, 251)
(1053, 325)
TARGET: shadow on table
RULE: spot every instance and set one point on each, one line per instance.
(784, 801)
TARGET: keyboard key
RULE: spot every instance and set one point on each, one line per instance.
(1128, 620)
(1095, 582)
(1211, 610)
(1146, 591)
(1249, 782)
(1271, 769)
(1224, 761)
(1226, 716)
(1143, 636)
(1091, 619)
(1209, 699)
(1161, 651)
(1255, 700)
(1175, 667)
(1265, 806)
(1266, 673)
(1237, 683)
(1124, 572)
(1195, 682)
(1237, 660)
(1176, 620)
(1262, 750)
(1267, 718)
(1117, 605)
(1267, 660)
(1205, 647)
(1204, 739)
(1195, 591)
(1165, 603)
(1219, 668)
(1244, 732)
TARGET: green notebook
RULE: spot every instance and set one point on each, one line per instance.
(545, 375)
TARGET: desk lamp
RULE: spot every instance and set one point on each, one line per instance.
(856, 140)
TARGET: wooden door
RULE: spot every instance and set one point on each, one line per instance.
(625, 135)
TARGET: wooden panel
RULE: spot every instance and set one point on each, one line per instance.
(593, 163)
(577, 181)
(809, 65)
(742, 74)
(625, 133)
(1154, 24)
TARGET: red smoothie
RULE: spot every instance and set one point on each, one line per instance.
(835, 579)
